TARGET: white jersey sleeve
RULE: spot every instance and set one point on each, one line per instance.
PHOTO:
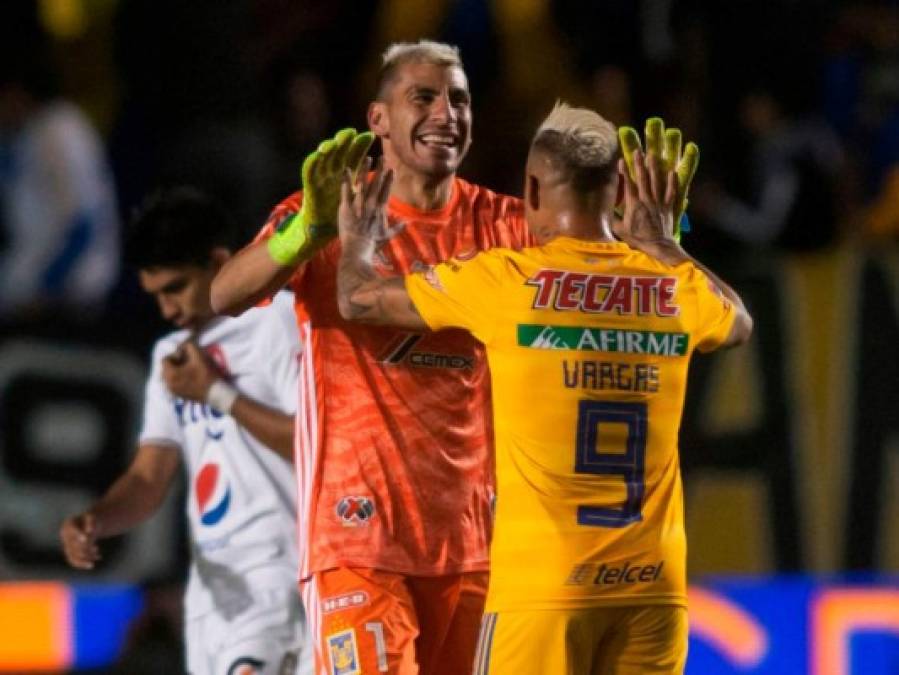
(161, 424)
(281, 355)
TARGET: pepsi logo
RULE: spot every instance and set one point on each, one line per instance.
(213, 494)
(355, 510)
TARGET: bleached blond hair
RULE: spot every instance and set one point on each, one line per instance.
(423, 51)
(579, 139)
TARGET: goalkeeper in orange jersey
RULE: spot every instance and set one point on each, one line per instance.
(588, 339)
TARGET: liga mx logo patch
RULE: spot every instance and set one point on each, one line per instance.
(213, 494)
(355, 511)
(343, 653)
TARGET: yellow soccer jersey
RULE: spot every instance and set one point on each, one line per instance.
(588, 345)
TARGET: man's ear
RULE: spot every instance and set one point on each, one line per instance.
(532, 192)
(377, 119)
(218, 256)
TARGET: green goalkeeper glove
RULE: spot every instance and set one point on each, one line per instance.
(304, 233)
(665, 144)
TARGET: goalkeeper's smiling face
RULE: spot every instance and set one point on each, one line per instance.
(424, 120)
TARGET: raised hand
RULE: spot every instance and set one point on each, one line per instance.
(649, 202)
(300, 236)
(665, 144)
(362, 293)
(362, 212)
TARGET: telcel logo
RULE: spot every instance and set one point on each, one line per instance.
(628, 573)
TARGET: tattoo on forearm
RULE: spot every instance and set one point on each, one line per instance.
(370, 297)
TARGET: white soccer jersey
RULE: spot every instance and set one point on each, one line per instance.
(241, 501)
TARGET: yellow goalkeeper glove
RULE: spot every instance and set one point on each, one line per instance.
(304, 233)
(665, 144)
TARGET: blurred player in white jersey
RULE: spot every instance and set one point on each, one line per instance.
(221, 396)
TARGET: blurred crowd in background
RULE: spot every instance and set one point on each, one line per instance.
(794, 103)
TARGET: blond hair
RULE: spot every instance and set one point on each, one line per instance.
(578, 137)
(423, 51)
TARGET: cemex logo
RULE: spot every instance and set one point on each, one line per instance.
(400, 351)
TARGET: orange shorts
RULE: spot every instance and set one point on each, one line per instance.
(366, 621)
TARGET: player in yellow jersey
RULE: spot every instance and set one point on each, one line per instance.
(588, 339)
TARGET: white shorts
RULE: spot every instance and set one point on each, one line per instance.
(268, 637)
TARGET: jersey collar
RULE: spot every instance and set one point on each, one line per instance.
(406, 211)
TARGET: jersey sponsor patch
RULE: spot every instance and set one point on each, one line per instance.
(399, 350)
(193, 412)
(343, 653)
(566, 290)
(606, 574)
(355, 511)
(344, 601)
(213, 494)
(578, 338)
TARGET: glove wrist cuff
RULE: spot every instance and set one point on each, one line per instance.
(286, 245)
(295, 242)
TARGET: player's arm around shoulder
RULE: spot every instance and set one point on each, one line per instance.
(362, 294)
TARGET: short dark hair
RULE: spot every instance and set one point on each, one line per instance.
(177, 226)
